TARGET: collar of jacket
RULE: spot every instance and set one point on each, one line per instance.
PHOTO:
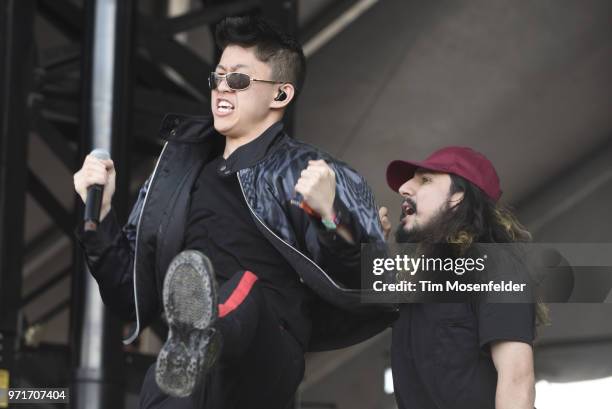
(188, 128)
(197, 129)
(251, 153)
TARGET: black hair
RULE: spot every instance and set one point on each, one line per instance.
(281, 51)
(479, 218)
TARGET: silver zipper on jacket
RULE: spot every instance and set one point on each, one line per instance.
(289, 245)
(132, 337)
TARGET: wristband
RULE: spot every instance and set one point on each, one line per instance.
(330, 225)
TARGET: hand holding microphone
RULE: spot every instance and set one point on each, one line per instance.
(95, 184)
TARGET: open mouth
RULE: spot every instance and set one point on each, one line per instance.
(224, 106)
(408, 207)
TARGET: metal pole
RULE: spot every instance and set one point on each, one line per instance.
(16, 62)
(98, 356)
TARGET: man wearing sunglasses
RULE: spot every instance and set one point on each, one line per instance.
(242, 234)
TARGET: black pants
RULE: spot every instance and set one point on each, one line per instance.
(260, 365)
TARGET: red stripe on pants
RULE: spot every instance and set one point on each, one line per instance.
(239, 294)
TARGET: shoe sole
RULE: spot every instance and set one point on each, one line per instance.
(190, 303)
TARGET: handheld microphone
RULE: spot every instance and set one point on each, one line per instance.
(93, 204)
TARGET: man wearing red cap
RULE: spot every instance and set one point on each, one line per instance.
(459, 355)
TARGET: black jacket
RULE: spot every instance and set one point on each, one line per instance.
(129, 263)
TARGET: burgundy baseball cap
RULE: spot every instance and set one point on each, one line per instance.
(458, 160)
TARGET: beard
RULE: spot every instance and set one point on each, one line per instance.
(431, 239)
(434, 231)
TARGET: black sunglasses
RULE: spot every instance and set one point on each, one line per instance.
(236, 81)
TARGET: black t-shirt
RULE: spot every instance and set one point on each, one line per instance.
(441, 352)
(221, 226)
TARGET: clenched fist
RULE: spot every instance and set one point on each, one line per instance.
(317, 185)
(96, 172)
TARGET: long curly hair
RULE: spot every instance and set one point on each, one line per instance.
(475, 219)
(479, 219)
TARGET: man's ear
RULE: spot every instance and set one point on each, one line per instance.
(455, 199)
(284, 96)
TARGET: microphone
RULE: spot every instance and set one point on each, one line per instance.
(93, 204)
